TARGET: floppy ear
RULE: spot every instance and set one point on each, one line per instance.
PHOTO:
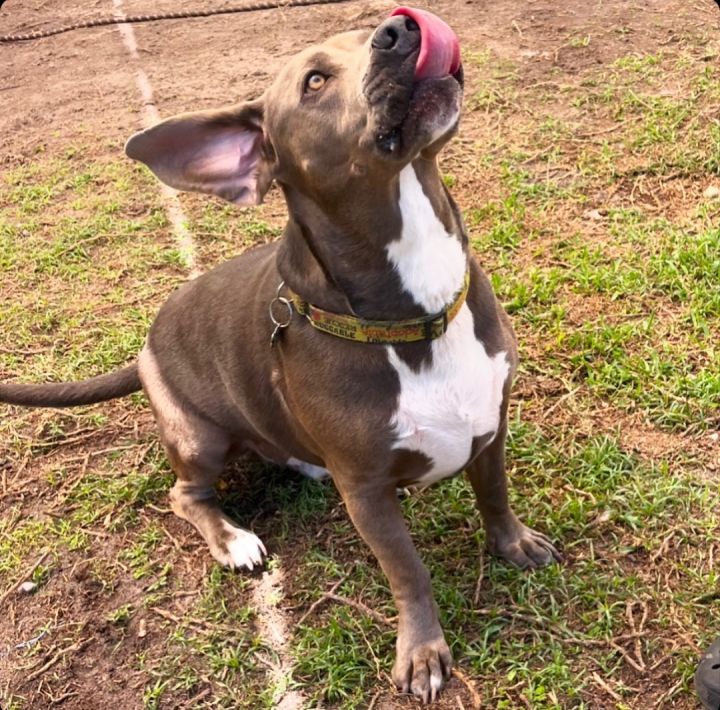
(218, 152)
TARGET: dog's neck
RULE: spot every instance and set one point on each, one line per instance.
(390, 252)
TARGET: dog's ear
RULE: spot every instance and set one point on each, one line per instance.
(218, 152)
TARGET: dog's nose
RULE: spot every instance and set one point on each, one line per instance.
(399, 35)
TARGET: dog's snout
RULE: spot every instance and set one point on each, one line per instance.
(399, 34)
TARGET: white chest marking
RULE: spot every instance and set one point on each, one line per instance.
(441, 408)
(430, 261)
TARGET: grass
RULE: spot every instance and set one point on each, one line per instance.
(588, 212)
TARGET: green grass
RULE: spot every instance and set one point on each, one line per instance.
(216, 637)
(66, 227)
(221, 231)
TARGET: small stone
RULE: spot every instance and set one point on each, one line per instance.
(603, 517)
(27, 587)
(593, 214)
(142, 629)
(712, 192)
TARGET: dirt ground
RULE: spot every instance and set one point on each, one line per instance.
(79, 85)
(78, 89)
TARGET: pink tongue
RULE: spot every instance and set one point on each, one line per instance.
(439, 46)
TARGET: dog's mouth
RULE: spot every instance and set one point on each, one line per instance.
(430, 101)
(426, 104)
(439, 54)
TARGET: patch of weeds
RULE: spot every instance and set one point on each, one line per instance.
(122, 615)
(153, 694)
(640, 66)
(222, 231)
(215, 220)
(100, 495)
(506, 221)
(41, 574)
(17, 542)
(662, 118)
(670, 389)
(579, 41)
(92, 236)
(598, 161)
(213, 642)
(497, 85)
(687, 269)
(333, 659)
(449, 180)
(139, 555)
(533, 295)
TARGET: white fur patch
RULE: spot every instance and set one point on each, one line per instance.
(441, 408)
(431, 262)
(245, 549)
(317, 473)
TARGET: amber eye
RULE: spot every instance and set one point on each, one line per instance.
(315, 81)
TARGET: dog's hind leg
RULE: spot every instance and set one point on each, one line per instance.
(193, 498)
(197, 449)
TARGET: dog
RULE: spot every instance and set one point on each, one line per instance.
(365, 344)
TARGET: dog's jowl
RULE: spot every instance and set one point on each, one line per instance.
(392, 361)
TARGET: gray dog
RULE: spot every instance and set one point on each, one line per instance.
(391, 361)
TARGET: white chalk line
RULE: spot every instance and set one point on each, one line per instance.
(151, 116)
(268, 590)
(267, 594)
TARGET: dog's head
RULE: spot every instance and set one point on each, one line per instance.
(358, 105)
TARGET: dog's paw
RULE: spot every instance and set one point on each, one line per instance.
(317, 473)
(239, 549)
(423, 669)
(524, 547)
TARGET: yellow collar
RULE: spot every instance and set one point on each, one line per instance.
(386, 332)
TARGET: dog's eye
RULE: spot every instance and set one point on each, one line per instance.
(315, 81)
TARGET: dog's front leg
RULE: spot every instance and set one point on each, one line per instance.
(507, 537)
(423, 660)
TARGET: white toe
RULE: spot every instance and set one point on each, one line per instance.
(245, 549)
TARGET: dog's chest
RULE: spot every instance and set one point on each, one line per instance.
(443, 407)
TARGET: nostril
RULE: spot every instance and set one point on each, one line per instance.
(399, 36)
(411, 25)
(385, 38)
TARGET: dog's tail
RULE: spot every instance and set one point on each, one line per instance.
(71, 394)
